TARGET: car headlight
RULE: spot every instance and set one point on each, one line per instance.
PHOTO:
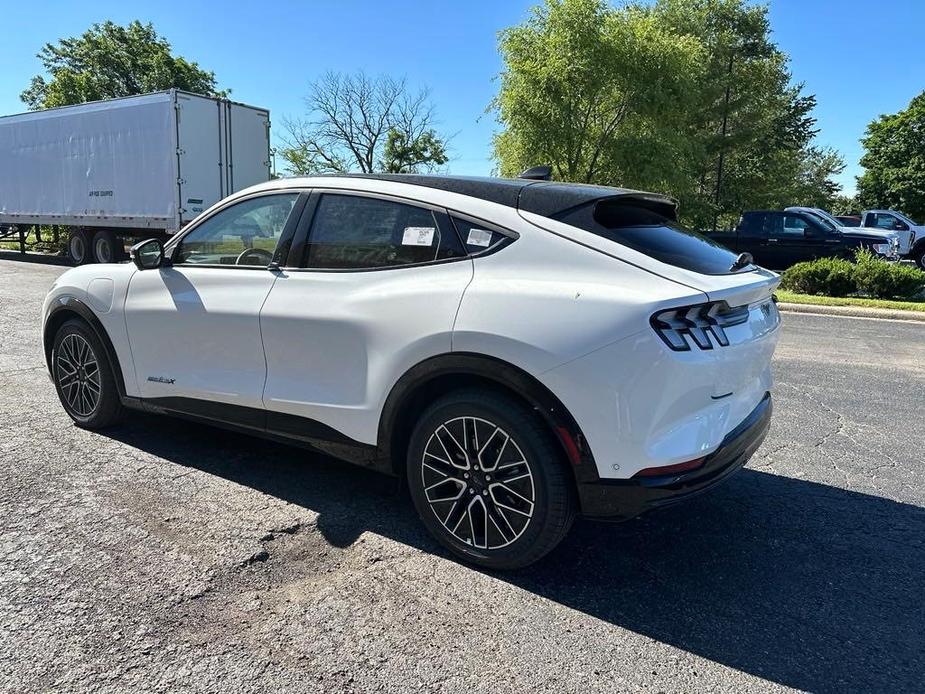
(678, 327)
(884, 248)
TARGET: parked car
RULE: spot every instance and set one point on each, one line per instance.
(891, 236)
(913, 234)
(519, 351)
(848, 220)
(778, 239)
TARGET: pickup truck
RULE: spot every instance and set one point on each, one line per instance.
(777, 239)
(912, 235)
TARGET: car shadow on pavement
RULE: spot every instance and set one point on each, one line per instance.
(803, 584)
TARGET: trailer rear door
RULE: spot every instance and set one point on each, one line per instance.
(200, 155)
(248, 146)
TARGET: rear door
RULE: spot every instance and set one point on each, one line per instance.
(753, 237)
(373, 291)
(199, 153)
(248, 146)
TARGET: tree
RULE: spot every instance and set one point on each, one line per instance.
(590, 91)
(894, 161)
(688, 97)
(108, 61)
(367, 124)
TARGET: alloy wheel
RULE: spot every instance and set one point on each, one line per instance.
(478, 483)
(77, 372)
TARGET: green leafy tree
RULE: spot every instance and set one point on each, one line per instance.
(688, 97)
(593, 92)
(108, 61)
(894, 161)
(359, 123)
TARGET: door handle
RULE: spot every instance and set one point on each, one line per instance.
(772, 240)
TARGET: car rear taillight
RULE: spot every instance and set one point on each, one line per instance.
(702, 325)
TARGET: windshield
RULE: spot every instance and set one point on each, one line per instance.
(828, 223)
(906, 219)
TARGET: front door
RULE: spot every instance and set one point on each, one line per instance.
(194, 324)
(798, 238)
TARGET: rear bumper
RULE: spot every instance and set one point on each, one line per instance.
(624, 499)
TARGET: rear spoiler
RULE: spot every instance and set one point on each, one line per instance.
(557, 200)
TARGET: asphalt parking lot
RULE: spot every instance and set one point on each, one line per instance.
(166, 556)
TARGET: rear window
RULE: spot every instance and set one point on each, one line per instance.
(631, 223)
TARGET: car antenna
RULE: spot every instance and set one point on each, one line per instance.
(537, 173)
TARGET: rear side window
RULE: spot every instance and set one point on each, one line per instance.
(351, 232)
(478, 237)
(630, 223)
(753, 224)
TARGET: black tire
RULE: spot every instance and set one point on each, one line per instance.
(88, 394)
(104, 248)
(918, 255)
(78, 247)
(495, 538)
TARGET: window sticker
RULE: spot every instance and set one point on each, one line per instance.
(418, 236)
(479, 237)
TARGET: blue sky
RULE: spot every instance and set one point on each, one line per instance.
(860, 58)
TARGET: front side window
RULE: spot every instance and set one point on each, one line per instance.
(245, 233)
(888, 222)
(794, 226)
(351, 232)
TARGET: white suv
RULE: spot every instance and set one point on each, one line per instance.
(520, 351)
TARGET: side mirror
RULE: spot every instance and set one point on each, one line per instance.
(147, 255)
(812, 232)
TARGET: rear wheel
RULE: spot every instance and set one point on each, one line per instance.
(105, 248)
(84, 377)
(488, 480)
(78, 247)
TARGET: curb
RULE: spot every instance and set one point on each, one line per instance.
(854, 311)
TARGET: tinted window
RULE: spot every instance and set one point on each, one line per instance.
(353, 232)
(849, 221)
(753, 224)
(245, 233)
(631, 224)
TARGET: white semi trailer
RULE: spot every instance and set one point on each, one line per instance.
(114, 171)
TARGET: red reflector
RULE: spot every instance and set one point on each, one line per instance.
(670, 469)
(570, 448)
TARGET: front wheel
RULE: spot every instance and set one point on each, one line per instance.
(919, 258)
(84, 377)
(488, 480)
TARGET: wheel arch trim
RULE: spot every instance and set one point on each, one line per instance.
(67, 306)
(507, 376)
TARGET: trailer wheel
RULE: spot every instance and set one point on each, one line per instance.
(104, 247)
(78, 247)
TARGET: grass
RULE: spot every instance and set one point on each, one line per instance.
(793, 298)
(11, 243)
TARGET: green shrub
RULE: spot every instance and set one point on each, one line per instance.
(826, 276)
(881, 280)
